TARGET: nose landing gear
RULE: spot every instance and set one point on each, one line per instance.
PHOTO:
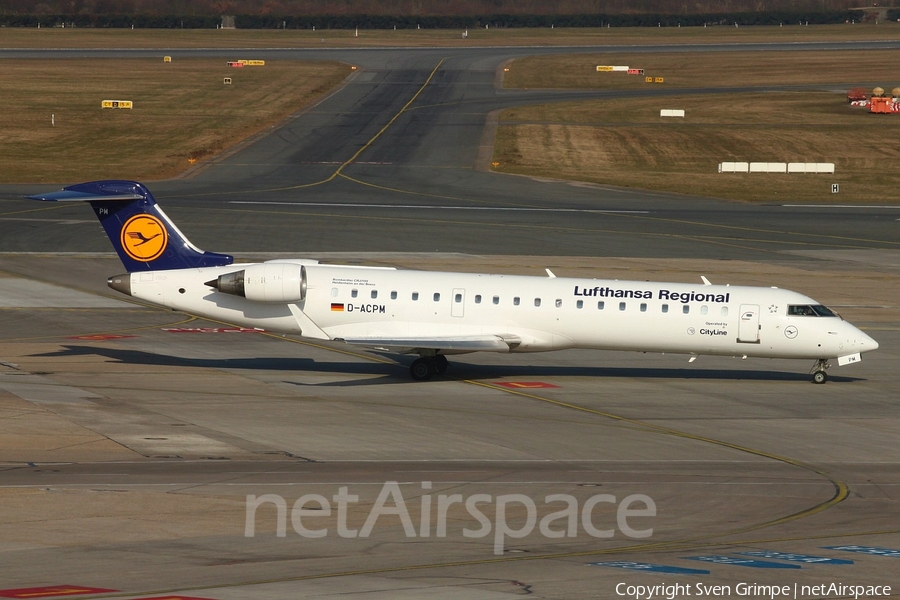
(818, 371)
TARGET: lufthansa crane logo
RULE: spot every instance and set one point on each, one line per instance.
(144, 237)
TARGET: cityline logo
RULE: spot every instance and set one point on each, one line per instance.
(311, 514)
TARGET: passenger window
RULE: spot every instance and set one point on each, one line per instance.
(579, 304)
(354, 293)
(393, 295)
(415, 296)
(437, 296)
(477, 298)
(685, 309)
(496, 300)
(665, 308)
(374, 294)
(537, 301)
(621, 306)
(457, 298)
(516, 301)
(600, 305)
(704, 309)
(724, 311)
(334, 292)
(643, 307)
(558, 303)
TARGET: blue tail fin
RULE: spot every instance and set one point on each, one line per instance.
(144, 237)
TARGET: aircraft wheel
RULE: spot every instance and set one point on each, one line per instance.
(441, 364)
(820, 377)
(421, 369)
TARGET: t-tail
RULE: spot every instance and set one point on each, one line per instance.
(143, 236)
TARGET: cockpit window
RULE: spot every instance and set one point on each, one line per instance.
(806, 310)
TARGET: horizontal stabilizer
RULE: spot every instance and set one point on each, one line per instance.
(75, 196)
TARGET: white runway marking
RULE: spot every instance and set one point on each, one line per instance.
(60, 221)
(440, 207)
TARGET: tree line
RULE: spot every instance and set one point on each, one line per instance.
(421, 8)
(370, 21)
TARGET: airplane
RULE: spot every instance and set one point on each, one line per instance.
(438, 314)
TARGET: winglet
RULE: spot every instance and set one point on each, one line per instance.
(141, 233)
(550, 274)
(705, 280)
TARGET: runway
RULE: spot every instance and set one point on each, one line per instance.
(359, 171)
(133, 436)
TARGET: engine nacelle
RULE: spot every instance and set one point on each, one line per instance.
(267, 282)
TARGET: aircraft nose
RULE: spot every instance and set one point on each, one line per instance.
(863, 341)
(869, 343)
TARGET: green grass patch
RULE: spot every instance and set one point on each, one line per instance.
(182, 110)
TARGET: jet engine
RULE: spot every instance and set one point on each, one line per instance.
(266, 282)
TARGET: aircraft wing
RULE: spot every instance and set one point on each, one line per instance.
(462, 343)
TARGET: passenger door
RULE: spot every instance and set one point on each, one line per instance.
(748, 329)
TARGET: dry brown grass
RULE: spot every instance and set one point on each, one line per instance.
(181, 110)
(706, 69)
(625, 142)
(209, 38)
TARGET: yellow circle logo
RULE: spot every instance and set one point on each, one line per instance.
(144, 237)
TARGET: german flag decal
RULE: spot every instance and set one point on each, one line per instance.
(337, 307)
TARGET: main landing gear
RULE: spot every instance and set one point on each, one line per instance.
(818, 371)
(423, 369)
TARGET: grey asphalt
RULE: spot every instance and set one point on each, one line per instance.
(126, 461)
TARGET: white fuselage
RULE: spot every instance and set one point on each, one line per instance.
(540, 313)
